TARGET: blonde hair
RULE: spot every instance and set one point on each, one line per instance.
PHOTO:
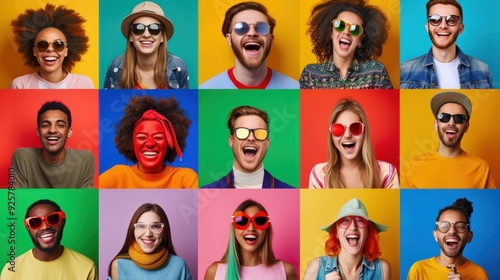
(369, 169)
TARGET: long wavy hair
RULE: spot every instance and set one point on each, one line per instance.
(375, 25)
(129, 76)
(233, 256)
(130, 237)
(371, 250)
(369, 170)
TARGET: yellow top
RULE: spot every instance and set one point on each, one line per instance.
(429, 269)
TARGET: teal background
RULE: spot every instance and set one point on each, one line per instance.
(216, 157)
(184, 42)
(80, 232)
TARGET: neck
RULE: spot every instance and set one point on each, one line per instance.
(146, 62)
(47, 256)
(250, 77)
(449, 152)
(53, 77)
(342, 63)
(445, 55)
(54, 158)
(446, 261)
(350, 264)
(250, 258)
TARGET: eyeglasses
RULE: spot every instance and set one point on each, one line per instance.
(345, 222)
(53, 219)
(139, 28)
(242, 28)
(57, 45)
(337, 129)
(445, 226)
(155, 228)
(355, 29)
(435, 20)
(260, 134)
(445, 117)
(241, 220)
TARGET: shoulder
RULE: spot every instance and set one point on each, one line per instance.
(386, 268)
(175, 60)
(117, 61)
(290, 271)
(176, 260)
(312, 269)
(219, 184)
(315, 66)
(82, 259)
(211, 271)
(83, 154)
(80, 81)
(283, 81)
(218, 81)
(480, 161)
(25, 152)
(372, 64)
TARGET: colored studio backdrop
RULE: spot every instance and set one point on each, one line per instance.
(216, 206)
(381, 108)
(418, 135)
(184, 42)
(477, 16)
(216, 56)
(111, 106)
(116, 208)
(390, 54)
(19, 108)
(319, 208)
(13, 63)
(418, 216)
(216, 156)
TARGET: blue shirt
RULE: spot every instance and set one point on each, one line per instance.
(370, 270)
(176, 269)
(177, 73)
(419, 73)
(228, 182)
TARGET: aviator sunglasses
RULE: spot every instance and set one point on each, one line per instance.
(241, 220)
(242, 28)
(57, 45)
(435, 20)
(337, 129)
(139, 28)
(445, 117)
(355, 29)
(242, 133)
(345, 222)
(53, 219)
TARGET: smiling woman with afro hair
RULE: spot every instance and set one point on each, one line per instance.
(51, 40)
(150, 133)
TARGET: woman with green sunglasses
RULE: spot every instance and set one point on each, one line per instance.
(347, 37)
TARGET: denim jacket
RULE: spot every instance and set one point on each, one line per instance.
(177, 73)
(370, 270)
(419, 72)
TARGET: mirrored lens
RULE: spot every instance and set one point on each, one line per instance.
(339, 25)
(242, 133)
(354, 29)
(139, 28)
(452, 20)
(57, 46)
(458, 118)
(241, 221)
(337, 129)
(242, 28)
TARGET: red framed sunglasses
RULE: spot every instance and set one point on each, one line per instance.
(337, 129)
(241, 220)
(53, 219)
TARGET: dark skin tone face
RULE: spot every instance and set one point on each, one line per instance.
(47, 239)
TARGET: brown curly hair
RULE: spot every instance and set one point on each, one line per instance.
(137, 105)
(27, 26)
(375, 25)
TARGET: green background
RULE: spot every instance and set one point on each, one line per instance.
(216, 157)
(80, 232)
(184, 43)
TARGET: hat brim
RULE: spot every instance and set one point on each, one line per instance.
(167, 24)
(442, 98)
(378, 227)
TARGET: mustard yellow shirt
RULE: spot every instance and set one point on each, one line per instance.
(124, 176)
(429, 269)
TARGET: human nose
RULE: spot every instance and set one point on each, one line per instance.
(251, 135)
(150, 143)
(443, 23)
(251, 30)
(352, 225)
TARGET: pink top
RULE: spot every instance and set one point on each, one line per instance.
(259, 272)
(34, 81)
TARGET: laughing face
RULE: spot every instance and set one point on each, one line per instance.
(248, 153)
(53, 131)
(451, 133)
(344, 44)
(348, 145)
(250, 238)
(50, 60)
(147, 240)
(47, 238)
(150, 146)
(353, 238)
(452, 243)
(146, 44)
(444, 36)
(251, 49)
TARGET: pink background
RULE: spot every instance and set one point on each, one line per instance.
(216, 207)
(116, 208)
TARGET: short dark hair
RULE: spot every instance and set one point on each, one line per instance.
(445, 2)
(245, 111)
(42, 202)
(243, 6)
(53, 105)
(463, 205)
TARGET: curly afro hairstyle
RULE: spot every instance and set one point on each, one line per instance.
(137, 105)
(27, 26)
(375, 25)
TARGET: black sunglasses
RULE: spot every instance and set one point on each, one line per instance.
(139, 28)
(435, 20)
(445, 117)
(57, 45)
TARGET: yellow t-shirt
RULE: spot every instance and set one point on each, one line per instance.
(70, 265)
(435, 171)
(429, 269)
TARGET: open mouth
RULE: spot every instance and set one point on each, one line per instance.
(450, 132)
(46, 237)
(50, 58)
(250, 151)
(149, 154)
(252, 47)
(451, 242)
(148, 242)
(344, 43)
(250, 238)
(352, 239)
(52, 139)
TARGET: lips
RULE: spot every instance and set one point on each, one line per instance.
(52, 140)
(250, 151)
(148, 242)
(352, 239)
(150, 154)
(250, 239)
(46, 236)
(344, 43)
(252, 47)
(349, 146)
(451, 242)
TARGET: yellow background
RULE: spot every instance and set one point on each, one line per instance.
(319, 208)
(216, 56)
(13, 63)
(390, 55)
(418, 135)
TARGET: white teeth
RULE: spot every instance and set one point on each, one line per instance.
(50, 58)
(52, 138)
(345, 41)
(150, 154)
(352, 236)
(250, 148)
